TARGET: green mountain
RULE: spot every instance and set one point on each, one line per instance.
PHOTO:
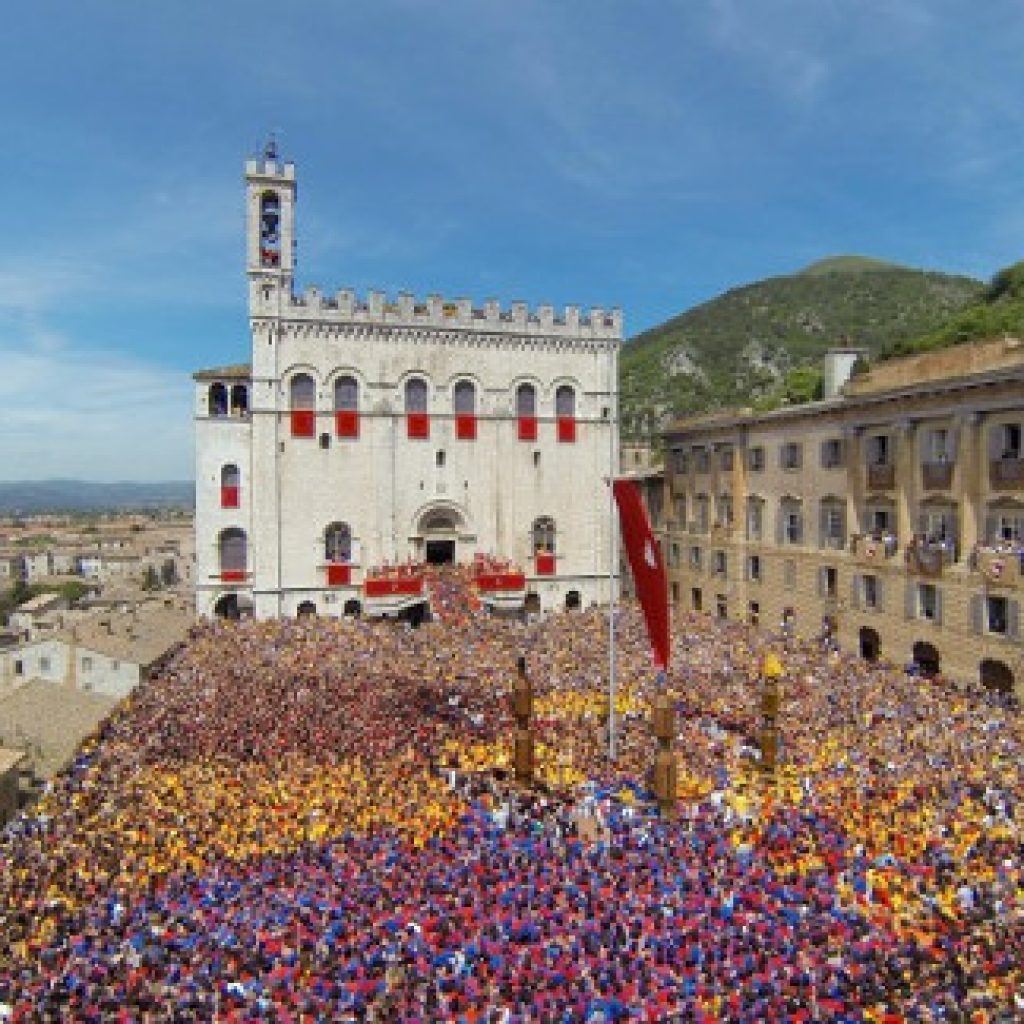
(1000, 310)
(761, 344)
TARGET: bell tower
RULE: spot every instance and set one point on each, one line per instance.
(270, 229)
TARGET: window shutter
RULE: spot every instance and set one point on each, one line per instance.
(1013, 619)
(856, 587)
(953, 443)
(821, 580)
(824, 453)
(879, 594)
(978, 613)
(798, 456)
(909, 601)
(938, 607)
(780, 525)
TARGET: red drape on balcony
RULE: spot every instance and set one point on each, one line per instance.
(567, 429)
(229, 497)
(346, 423)
(303, 422)
(417, 425)
(527, 428)
(465, 426)
(545, 564)
(339, 574)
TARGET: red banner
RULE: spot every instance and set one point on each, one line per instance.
(648, 567)
(389, 586)
(501, 581)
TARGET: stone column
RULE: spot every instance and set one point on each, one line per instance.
(665, 769)
(969, 479)
(855, 478)
(906, 469)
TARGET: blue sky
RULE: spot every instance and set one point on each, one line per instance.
(642, 153)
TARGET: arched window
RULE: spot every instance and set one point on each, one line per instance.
(232, 553)
(565, 413)
(217, 400)
(338, 554)
(465, 411)
(230, 483)
(239, 400)
(346, 407)
(544, 545)
(302, 401)
(338, 543)
(417, 419)
(270, 230)
(526, 412)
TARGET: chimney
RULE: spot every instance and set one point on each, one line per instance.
(837, 366)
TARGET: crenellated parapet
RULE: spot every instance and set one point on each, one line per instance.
(439, 313)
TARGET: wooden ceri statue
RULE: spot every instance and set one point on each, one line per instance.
(771, 671)
(522, 706)
(665, 768)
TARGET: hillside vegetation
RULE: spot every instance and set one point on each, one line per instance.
(1000, 310)
(762, 344)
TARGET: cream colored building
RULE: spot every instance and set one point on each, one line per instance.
(373, 431)
(889, 516)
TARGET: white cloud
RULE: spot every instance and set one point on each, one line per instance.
(66, 411)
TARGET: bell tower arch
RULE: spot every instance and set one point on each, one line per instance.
(270, 229)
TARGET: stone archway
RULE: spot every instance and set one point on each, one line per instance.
(437, 533)
(926, 658)
(870, 643)
(532, 603)
(573, 601)
(353, 608)
(996, 676)
(306, 610)
(227, 608)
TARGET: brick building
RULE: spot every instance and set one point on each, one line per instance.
(372, 432)
(890, 515)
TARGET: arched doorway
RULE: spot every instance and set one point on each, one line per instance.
(532, 603)
(353, 609)
(572, 601)
(996, 676)
(227, 608)
(306, 609)
(926, 658)
(870, 644)
(438, 530)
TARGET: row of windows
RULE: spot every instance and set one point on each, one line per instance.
(937, 524)
(938, 447)
(991, 613)
(233, 554)
(302, 396)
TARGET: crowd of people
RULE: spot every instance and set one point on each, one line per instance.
(313, 820)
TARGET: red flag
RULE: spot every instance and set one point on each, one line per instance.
(648, 567)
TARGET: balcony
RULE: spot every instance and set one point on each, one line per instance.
(881, 476)
(928, 558)
(937, 476)
(1000, 566)
(1006, 474)
(874, 549)
(722, 531)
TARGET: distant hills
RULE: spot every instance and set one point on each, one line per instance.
(31, 497)
(761, 344)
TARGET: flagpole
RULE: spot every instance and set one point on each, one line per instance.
(612, 554)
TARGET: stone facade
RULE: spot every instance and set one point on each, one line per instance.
(891, 518)
(372, 431)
